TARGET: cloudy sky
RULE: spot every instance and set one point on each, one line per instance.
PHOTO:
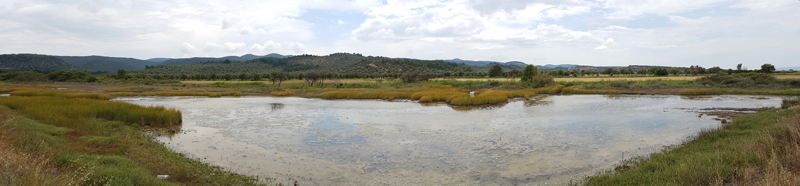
(591, 32)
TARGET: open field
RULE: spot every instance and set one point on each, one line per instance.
(563, 79)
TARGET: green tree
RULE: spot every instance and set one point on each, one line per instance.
(528, 72)
(767, 68)
(661, 72)
(121, 74)
(714, 70)
(674, 71)
(739, 68)
(276, 76)
(495, 71)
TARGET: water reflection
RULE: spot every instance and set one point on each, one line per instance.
(324, 142)
(276, 106)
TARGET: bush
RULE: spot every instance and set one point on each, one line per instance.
(542, 80)
(494, 83)
(794, 82)
(789, 102)
(620, 84)
(742, 82)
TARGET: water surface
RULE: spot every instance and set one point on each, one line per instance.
(373, 142)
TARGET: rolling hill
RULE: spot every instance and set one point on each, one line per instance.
(103, 63)
(33, 62)
(184, 61)
(335, 63)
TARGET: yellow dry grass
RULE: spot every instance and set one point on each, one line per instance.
(281, 93)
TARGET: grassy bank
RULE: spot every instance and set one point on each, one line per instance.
(446, 94)
(755, 149)
(63, 141)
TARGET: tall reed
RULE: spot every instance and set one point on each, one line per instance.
(75, 112)
(570, 90)
(61, 94)
(166, 93)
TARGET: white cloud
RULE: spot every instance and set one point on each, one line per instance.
(382, 33)
(561, 31)
(246, 30)
(601, 47)
(225, 24)
(187, 48)
(269, 45)
(625, 9)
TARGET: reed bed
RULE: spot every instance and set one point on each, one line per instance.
(550, 90)
(702, 91)
(166, 93)
(75, 113)
(484, 98)
(281, 93)
(438, 95)
(61, 95)
(570, 90)
(356, 94)
(447, 94)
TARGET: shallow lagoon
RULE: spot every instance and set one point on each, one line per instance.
(373, 142)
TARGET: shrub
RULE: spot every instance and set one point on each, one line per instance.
(619, 84)
(794, 82)
(542, 80)
(789, 102)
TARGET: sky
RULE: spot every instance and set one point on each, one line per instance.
(587, 32)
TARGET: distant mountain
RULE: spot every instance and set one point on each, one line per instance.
(551, 66)
(103, 63)
(184, 61)
(344, 63)
(158, 59)
(797, 68)
(486, 65)
(33, 62)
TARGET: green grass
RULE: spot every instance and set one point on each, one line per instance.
(712, 156)
(97, 148)
(76, 113)
(60, 94)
